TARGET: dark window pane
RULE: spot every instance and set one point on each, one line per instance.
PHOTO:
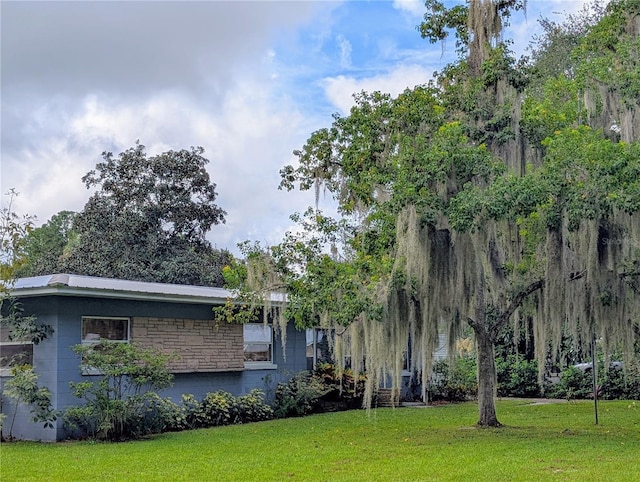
(16, 354)
(96, 329)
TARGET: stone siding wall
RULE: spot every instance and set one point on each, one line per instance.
(201, 345)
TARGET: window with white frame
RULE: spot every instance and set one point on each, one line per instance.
(258, 343)
(13, 352)
(96, 329)
(318, 348)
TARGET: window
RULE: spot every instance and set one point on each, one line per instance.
(258, 343)
(13, 352)
(318, 350)
(95, 329)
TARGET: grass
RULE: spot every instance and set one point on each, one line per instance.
(538, 442)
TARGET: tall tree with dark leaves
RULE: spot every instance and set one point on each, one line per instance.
(148, 220)
(45, 245)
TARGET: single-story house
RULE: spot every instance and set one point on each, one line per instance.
(174, 318)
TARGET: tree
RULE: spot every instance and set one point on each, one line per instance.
(45, 245)
(148, 220)
(23, 389)
(453, 216)
(13, 232)
(14, 324)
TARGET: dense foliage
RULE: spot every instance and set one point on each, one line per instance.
(117, 396)
(146, 221)
(499, 193)
(45, 246)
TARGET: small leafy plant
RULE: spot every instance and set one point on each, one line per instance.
(23, 389)
(117, 402)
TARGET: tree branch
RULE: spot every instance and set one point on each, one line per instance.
(516, 302)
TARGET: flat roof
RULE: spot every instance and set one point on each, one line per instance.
(91, 286)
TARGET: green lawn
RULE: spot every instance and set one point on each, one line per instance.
(539, 442)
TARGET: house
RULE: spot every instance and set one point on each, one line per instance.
(174, 318)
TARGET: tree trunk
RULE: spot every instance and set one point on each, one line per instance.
(487, 378)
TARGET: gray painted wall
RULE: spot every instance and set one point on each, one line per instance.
(57, 364)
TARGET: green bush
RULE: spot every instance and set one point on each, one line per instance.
(454, 382)
(23, 389)
(615, 384)
(517, 377)
(162, 414)
(340, 385)
(190, 414)
(118, 398)
(299, 396)
(218, 408)
(215, 409)
(574, 383)
(252, 407)
(618, 385)
(327, 388)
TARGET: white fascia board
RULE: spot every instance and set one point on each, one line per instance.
(95, 287)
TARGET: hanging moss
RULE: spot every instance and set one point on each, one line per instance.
(547, 243)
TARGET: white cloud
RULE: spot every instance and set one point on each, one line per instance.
(414, 7)
(345, 52)
(339, 90)
(223, 75)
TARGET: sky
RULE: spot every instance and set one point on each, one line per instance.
(249, 81)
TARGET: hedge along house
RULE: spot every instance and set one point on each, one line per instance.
(174, 318)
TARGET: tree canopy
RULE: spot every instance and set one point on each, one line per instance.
(476, 200)
(45, 245)
(146, 221)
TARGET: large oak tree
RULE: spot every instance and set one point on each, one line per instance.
(478, 200)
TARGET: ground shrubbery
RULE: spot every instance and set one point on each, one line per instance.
(121, 402)
(517, 377)
(615, 384)
(324, 389)
(454, 381)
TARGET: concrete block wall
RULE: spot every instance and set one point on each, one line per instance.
(199, 345)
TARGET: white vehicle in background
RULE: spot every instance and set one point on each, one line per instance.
(587, 367)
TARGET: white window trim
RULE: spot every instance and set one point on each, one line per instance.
(260, 365)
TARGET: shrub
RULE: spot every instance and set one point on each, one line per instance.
(117, 405)
(517, 377)
(341, 385)
(218, 408)
(622, 384)
(299, 396)
(191, 414)
(162, 414)
(23, 388)
(455, 382)
(252, 407)
(615, 384)
(574, 383)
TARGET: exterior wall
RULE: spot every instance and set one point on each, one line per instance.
(45, 362)
(58, 365)
(200, 345)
